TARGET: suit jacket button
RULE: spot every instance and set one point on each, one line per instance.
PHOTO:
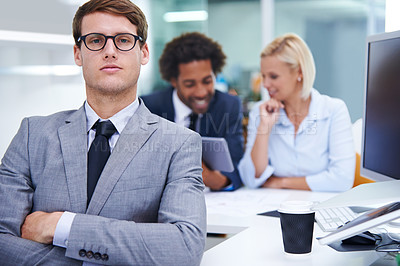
(82, 253)
(104, 257)
(97, 255)
(89, 254)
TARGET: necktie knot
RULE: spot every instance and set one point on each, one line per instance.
(105, 128)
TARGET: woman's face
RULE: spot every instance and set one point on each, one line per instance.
(279, 79)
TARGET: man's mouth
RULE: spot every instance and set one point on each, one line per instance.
(110, 68)
(200, 104)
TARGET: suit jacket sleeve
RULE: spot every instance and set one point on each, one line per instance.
(234, 138)
(16, 192)
(177, 238)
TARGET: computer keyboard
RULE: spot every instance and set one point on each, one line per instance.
(329, 219)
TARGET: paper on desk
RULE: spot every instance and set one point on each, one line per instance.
(244, 202)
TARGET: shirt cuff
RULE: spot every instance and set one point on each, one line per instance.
(63, 228)
(247, 172)
(228, 188)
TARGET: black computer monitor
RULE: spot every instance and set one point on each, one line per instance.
(380, 153)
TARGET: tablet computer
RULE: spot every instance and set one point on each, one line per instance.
(216, 154)
(363, 222)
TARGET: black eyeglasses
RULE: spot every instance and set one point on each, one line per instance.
(97, 41)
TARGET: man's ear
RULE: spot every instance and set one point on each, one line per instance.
(145, 54)
(173, 82)
(77, 55)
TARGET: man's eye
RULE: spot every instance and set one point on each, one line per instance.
(124, 41)
(188, 84)
(95, 41)
(274, 76)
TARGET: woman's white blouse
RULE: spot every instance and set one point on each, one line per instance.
(322, 151)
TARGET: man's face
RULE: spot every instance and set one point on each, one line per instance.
(110, 71)
(195, 85)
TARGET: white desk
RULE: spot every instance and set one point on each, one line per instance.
(258, 239)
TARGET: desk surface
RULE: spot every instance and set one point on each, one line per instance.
(257, 240)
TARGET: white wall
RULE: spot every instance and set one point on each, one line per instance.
(237, 27)
(29, 95)
(335, 32)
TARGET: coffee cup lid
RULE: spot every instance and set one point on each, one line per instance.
(296, 207)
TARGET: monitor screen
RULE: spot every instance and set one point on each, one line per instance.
(380, 154)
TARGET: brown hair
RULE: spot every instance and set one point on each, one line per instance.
(118, 7)
(187, 48)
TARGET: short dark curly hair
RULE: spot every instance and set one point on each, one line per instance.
(190, 47)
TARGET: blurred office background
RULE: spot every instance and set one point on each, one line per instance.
(38, 75)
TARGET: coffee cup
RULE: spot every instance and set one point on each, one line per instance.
(297, 223)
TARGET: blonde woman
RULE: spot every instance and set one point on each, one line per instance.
(298, 139)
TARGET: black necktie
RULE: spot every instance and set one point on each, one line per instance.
(98, 154)
(193, 120)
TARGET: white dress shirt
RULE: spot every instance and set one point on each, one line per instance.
(119, 120)
(322, 150)
(182, 112)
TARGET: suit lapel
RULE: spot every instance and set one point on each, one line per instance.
(73, 139)
(138, 130)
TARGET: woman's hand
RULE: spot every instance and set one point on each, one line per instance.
(274, 182)
(269, 112)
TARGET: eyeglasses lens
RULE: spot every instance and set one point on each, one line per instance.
(122, 41)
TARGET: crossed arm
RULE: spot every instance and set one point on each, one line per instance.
(40, 226)
(26, 237)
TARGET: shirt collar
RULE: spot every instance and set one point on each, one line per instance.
(119, 120)
(316, 110)
(181, 109)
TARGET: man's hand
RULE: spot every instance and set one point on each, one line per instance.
(40, 226)
(214, 179)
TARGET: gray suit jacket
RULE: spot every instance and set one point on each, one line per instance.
(148, 207)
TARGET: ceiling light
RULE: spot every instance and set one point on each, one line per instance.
(42, 70)
(73, 2)
(186, 16)
(35, 37)
(392, 20)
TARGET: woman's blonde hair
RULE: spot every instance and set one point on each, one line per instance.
(291, 49)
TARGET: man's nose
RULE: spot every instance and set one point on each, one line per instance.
(109, 48)
(202, 91)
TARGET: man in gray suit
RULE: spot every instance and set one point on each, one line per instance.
(147, 207)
